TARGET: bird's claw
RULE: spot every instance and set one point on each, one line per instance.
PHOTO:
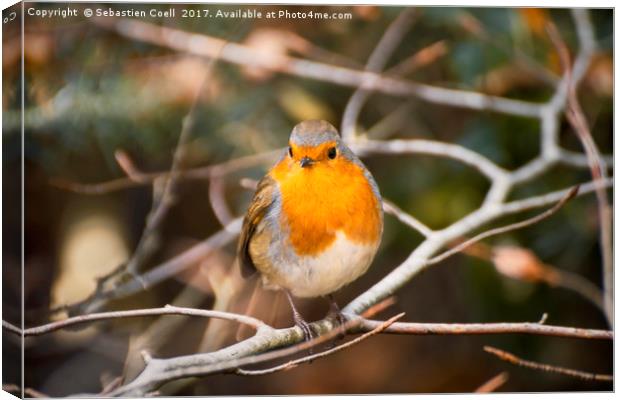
(305, 327)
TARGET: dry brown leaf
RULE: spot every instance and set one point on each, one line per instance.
(175, 81)
(273, 45)
(519, 263)
(367, 13)
(38, 48)
(471, 24)
(505, 78)
(600, 76)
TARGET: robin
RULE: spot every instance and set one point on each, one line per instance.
(316, 219)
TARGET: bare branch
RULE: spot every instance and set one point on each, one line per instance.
(29, 392)
(167, 310)
(417, 260)
(380, 306)
(128, 167)
(293, 363)
(11, 328)
(113, 384)
(473, 26)
(423, 57)
(218, 200)
(163, 201)
(146, 178)
(577, 119)
(405, 218)
(493, 384)
(163, 271)
(392, 37)
(533, 202)
(208, 46)
(530, 328)
(503, 229)
(159, 371)
(431, 147)
(511, 358)
(578, 284)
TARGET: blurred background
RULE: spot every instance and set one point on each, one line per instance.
(94, 98)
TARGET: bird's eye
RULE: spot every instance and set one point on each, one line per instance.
(331, 153)
(290, 151)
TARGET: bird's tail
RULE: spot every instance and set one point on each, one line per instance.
(230, 290)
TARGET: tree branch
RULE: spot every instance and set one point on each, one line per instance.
(529, 328)
(434, 148)
(377, 61)
(161, 272)
(511, 358)
(503, 229)
(207, 46)
(159, 371)
(577, 119)
(493, 384)
(103, 316)
(293, 363)
(405, 218)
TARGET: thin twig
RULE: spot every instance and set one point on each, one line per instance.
(473, 26)
(126, 163)
(380, 306)
(533, 202)
(217, 199)
(406, 218)
(163, 201)
(433, 148)
(293, 363)
(378, 59)
(578, 284)
(422, 57)
(113, 384)
(159, 371)
(167, 310)
(507, 228)
(493, 384)
(577, 119)
(511, 358)
(207, 46)
(146, 381)
(490, 328)
(11, 328)
(160, 272)
(29, 392)
(146, 178)
(229, 359)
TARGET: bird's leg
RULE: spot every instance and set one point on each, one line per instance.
(299, 320)
(335, 314)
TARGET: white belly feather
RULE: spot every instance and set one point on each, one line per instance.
(313, 276)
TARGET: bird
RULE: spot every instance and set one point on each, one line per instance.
(315, 221)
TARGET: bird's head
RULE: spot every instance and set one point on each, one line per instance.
(313, 142)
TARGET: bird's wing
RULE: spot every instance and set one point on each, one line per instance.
(260, 205)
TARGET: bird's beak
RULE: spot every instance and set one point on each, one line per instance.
(306, 162)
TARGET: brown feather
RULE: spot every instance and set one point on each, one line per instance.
(262, 201)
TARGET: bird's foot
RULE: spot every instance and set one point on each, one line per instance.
(338, 317)
(304, 326)
(300, 322)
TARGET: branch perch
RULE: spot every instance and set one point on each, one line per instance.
(511, 358)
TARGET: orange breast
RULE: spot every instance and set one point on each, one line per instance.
(328, 197)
